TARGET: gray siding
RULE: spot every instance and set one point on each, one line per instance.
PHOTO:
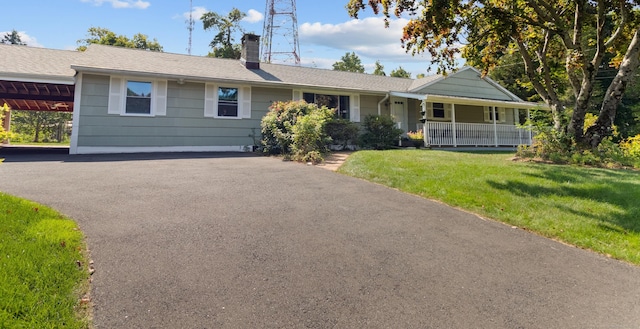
(465, 84)
(183, 125)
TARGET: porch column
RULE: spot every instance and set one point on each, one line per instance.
(425, 125)
(6, 124)
(530, 127)
(495, 126)
(453, 124)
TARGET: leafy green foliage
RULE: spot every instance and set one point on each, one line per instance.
(400, 73)
(561, 44)
(277, 125)
(43, 268)
(223, 43)
(350, 62)
(380, 132)
(41, 125)
(310, 140)
(103, 36)
(342, 132)
(12, 38)
(379, 69)
(3, 134)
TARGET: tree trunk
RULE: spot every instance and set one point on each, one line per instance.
(603, 125)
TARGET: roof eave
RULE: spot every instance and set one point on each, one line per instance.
(38, 78)
(153, 75)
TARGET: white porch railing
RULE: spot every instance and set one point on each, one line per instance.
(475, 134)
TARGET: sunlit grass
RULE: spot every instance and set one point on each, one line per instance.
(43, 268)
(592, 208)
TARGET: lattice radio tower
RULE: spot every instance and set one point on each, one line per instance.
(280, 33)
(190, 25)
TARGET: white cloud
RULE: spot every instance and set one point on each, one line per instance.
(253, 16)
(25, 38)
(197, 14)
(118, 4)
(367, 37)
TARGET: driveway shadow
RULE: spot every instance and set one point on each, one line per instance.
(61, 154)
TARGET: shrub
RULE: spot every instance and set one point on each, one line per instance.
(309, 138)
(342, 132)
(296, 129)
(277, 125)
(380, 132)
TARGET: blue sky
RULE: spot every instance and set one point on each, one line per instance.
(326, 32)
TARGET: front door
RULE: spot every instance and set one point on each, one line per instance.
(399, 113)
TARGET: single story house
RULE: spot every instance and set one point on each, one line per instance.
(128, 100)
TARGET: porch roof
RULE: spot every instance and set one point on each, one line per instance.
(469, 101)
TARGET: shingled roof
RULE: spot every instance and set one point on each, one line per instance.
(100, 58)
(32, 63)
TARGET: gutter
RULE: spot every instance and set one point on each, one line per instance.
(380, 103)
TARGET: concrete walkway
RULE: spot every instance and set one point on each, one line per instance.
(234, 241)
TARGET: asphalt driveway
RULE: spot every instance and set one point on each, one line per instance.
(235, 241)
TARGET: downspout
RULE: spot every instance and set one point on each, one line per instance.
(380, 104)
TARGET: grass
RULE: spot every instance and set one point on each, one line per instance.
(43, 268)
(591, 208)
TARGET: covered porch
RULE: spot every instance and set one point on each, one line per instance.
(449, 121)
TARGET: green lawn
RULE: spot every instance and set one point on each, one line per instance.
(592, 208)
(43, 268)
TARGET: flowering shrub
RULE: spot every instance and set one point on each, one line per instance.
(296, 129)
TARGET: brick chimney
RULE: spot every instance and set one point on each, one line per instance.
(250, 56)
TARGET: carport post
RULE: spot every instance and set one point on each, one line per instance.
(6, 124)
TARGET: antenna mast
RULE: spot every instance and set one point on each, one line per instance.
(280, 33)
(191, 25)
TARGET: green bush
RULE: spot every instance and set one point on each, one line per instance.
(296, 130)
(309, 138)
(277, 125)
(342, 132)
(380, 133)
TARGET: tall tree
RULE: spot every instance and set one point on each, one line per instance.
(102, 36)
(400, 73)
(38, 124)
(575, 33)
(379, 70)
(223, 43)
(12, 38)
(350, 62)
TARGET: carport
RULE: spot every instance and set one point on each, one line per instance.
(36, 83)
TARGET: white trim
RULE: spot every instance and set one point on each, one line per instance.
(31, 78)
(75, 126)
(118, 97)
(470, 101)
(211, 101)
(159, 97)
(159, 149)
(354, 108)
(296, 95)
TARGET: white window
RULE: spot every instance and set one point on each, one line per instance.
(137, 97)
(346, 106)
(227, 101)
(501, 115)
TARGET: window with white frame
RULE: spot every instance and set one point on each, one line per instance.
(227, 102)
(338, 102)
(500, 113)
(138, 99)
